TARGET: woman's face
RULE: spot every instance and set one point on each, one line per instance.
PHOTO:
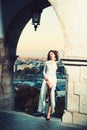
(52, 56)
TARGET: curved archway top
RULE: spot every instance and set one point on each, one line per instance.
(10, 9)
(17, 24)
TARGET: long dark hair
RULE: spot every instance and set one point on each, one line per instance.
(55, 53)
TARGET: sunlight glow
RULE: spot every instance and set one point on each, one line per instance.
(48, 36)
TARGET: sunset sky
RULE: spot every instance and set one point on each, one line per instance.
(48, 36)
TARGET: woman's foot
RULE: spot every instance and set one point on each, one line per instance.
(48, 117)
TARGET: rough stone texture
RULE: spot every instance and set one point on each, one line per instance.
(81, 90)
(6, 101)
(83, 76)
(83, 104)
(6, 92)
(0, 78)
(72, 102)
(2, 49)
(80, 119)
(77, 93)
(6, 77)
(2, 53)
(1, 22)
(73, 72)
(67, 117)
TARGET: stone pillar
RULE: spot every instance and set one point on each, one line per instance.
(2, 52)
(1, 22)
(76, 92)
(7, 93)
(1, 43)
(73, 20)
(4, 97)
(6, 71)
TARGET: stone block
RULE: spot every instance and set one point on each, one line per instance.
(74, 73)
(6, 101)
(67, 117)
(83, 76)
(83, 104)
(80, 119)
(73, 102)
(69, 88)
(80, 88)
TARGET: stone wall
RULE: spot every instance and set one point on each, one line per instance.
(76, 94)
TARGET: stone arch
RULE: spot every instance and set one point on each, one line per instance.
(66, 72)
(16, 26)
(15, 29)
(76, 62)
(9, 49)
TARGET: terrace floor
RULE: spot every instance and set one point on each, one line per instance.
(12, 120)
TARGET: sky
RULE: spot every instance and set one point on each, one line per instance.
(48, 36)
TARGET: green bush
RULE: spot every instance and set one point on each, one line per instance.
(27, 100)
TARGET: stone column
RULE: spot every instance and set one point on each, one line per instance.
(1, 22)
(8, 93)
(6, 71)
(1, 43)
(2, 52)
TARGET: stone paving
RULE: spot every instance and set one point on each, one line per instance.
(11, 120)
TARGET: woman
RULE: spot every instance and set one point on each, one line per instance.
(47, 93)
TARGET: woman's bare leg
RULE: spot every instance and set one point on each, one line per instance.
(48, 113)
(49, 110)
(48, 95)
(49, 87)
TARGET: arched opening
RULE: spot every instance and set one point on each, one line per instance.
(67, 13)
(34, 48)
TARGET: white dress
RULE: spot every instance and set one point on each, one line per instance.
(50, 69)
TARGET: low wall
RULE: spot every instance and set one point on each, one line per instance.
(76, 92)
